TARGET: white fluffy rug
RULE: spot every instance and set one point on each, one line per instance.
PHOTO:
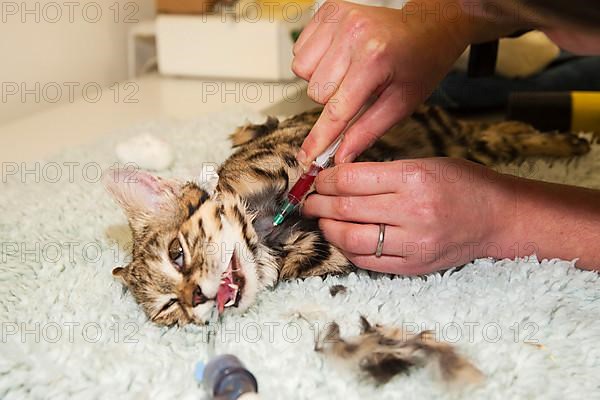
(70, 331)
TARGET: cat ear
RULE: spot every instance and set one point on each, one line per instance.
(209, 178)
(118, 272)
(121, 273)
(144, 197)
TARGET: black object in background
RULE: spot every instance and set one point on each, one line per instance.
(546, 111)
(482, 59)
(457, 92)
(557, 111)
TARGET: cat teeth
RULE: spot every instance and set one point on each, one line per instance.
(231, 285)
(230, 303)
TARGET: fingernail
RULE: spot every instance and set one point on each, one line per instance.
(349, 158)
(302, 158)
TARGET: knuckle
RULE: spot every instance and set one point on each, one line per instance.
(345, 177)
(338, 98)
(339, 178)
(300, 69)
(352, 175)
(344, 207)
(376, 50)
(316, 92)
(351, 239)
(334, 111)
(312, 95)
(330, 93)
(358, 23)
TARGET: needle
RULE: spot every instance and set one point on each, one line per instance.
(304, 183)
(212, 330)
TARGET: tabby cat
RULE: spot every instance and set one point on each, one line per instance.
(198, 246)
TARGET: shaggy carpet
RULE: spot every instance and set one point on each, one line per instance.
(69, 330)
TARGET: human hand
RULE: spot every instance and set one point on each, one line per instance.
(438, 212)
(350, 53)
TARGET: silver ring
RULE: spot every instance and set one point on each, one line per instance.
(380, 240)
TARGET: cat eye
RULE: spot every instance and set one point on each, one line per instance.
(176, 253)
(165, 308)
(167, 305)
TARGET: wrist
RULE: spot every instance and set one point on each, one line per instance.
(515, 215)
(502, 194)
(547, 219)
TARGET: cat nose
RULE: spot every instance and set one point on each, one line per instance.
(198, 297)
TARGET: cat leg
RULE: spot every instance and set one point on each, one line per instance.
(307, 253)
(429, 132)
(250, 132)
(511, 140)
(432, 132)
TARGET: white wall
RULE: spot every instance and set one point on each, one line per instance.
(47, 46)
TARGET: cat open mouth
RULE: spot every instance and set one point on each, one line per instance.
(231, 287)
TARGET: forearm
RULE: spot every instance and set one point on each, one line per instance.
(552, 220)
(459, 21)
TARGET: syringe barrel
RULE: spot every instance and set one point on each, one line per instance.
(304, 183)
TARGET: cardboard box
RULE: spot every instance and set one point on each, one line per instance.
(208, 46)
(184, 6)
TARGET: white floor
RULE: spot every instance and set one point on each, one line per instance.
(150, 97)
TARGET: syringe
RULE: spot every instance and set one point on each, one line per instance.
(304, 183)
(224, 376)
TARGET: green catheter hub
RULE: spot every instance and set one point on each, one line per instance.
(304, 183)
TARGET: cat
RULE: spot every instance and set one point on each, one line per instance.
(198, 246)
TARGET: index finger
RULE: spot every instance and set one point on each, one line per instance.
(359, 179)
(351, 100)
(327, 13)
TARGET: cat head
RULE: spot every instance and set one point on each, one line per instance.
(194, 251)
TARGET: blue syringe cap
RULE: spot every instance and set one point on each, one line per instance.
(199, 371)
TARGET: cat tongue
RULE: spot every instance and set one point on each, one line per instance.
(225, 293)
